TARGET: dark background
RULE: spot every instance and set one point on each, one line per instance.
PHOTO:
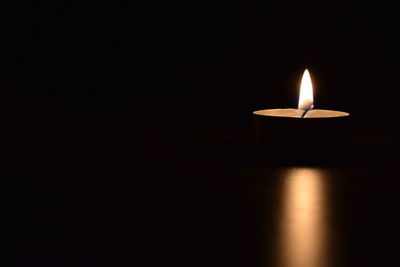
(116, 118)
(199, 69)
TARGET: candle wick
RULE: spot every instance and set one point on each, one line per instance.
(305, 112)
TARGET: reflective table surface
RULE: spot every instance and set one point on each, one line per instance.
(89, 199)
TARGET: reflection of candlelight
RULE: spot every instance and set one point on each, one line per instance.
(302, 223)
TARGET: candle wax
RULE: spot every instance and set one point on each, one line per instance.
(297, 113)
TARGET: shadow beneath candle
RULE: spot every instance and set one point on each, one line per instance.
(352, 153)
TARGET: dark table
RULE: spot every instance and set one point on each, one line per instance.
(90, 195)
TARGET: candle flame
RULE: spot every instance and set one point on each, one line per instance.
(306, 99)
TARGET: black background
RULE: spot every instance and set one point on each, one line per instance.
(105, 108)
(200, 69)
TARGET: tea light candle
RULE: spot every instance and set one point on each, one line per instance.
(304, 125)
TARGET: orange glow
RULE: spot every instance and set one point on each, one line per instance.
(302, 224)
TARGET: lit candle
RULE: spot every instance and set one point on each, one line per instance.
(290, 126)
